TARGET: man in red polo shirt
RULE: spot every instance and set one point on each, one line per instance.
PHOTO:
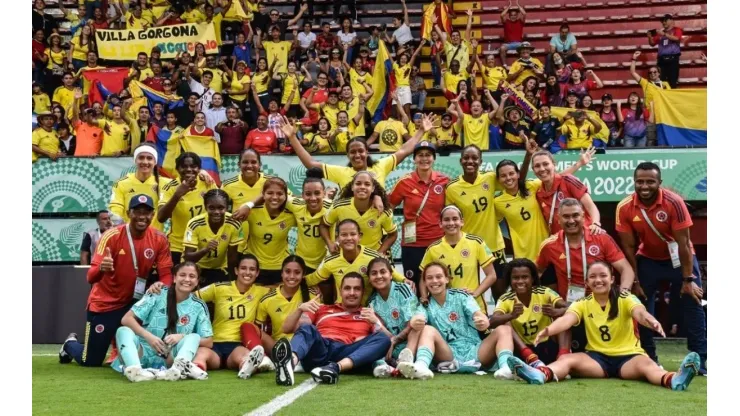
(261, 139)
(512, 18)
(422, 193)
(320, 94)
(329, 339)
(660, 221)
(123, 260)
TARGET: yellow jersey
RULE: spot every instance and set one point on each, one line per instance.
(216, 20)
(492, 77)
(318, 144)
(402, 73)
(649, 90)
(239, 83)
(193, 16)
(268, 237)
(276, 307)
(143, 74)
(532, 320)
(46, 140)
(451, 80)
(261, 81)
(354, 81)
(336, 265)
(448, 136)
(119, 138)
(352, 109)
(517, 65)
(578, 137)
(342, 175)
(475, 130)
(279, 49)
(41, 102)
(464, 262)
(240, 192)
(198, 233)
(188, 207)
(231, 308)
(310, 246)
(341, 139)
(125, 188)
(80, 51)
(390, 134)
(460, 53)
(132, 22)
(371, 227)
(65, 97)
(217, 82)
(292, 83)
(475, 201)
(330, 113)
(613, 338)
(527, 225)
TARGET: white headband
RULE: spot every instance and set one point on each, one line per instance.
(145, 149)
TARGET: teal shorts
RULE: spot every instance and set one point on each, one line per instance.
(466, 354)
(148, 359)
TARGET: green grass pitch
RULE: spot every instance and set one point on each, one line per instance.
(70, 389)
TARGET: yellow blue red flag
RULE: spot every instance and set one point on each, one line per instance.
(382, 85)
(681, 117)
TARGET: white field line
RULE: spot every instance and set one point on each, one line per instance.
(284, 400)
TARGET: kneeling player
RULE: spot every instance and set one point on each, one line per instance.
(395, 303)
(329, 339)
(163, 329)
(529, 307)
(449, 332)
(236, 340)
(612, 349)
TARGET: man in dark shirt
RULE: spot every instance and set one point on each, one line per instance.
(186, 114)
(233, 131)
(547, 129)
(90, 238)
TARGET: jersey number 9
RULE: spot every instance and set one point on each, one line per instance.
(268, 238)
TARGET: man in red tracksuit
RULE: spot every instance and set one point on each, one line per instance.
(123, 259)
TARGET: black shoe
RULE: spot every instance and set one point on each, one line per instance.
(65, 358)
(328, 374)
(282, 354)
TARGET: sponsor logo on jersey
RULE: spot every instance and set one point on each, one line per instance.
(279, 310)
(594, 250)
(453, 316)
(99, 328)
(149, 254)
(465, 253)
(184, 320)
(121, 252)
(661, 216)
(395, 314)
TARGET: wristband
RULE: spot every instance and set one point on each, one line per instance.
(249, 204)
(688, 279)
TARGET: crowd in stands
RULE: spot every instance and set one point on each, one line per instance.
(270, 65)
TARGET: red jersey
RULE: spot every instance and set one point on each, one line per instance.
(566, 186)
(668, 213)
(410, 191)
(155, 83)
(598, 248)
(115, 290)
(263, 142)
(513, 31)
(319, 97)
(336, 323)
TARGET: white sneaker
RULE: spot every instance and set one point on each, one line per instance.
(299, 368)
(383, 371)
(504, 373)
(177, 372)
(251, 362)
(422, 372)
(266, 365)
(137, 374)
(406, 356)
(194, 372)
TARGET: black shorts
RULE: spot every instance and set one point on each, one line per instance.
(611, 364)
(211, 276)
(578, 338)
(224, 350)
(411, 259)
(549, 277)
(269, 277)
(547, 351)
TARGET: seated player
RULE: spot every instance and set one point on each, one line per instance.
(529, 307)
(612, 349)
(165, 329)
(450, 328)
(330, 339)
(281, 301)
(395, 304)
(235, 304)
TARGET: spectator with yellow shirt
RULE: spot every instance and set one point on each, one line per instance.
(92, 64)
(56, 63)
(456, 48)
(41, 101)
(452, 77)
(192, 14)
(290, 85)
(64, 95)
(322, 141)
(346, 128)
(492, 75)
(80, 46)
(44, 140)
(140, 69)
(415, 124)
(650, 87)
(391, 132)
(351, 103)
(446, 136)
(216, 19)
(474, 126)
(402, 72)
(239, 88)
(357, 75)
(117, 137)
(526, 66)
(218, 68)
(277, 50)
(579, 130)
(134, 18)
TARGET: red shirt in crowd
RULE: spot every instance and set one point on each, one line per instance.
(319, 97)
(410, 191)
(114, 290)
(513, 31)
(598, 248)
(566, 186)
(668, 214)
(336, 323)
(37, 48)
(155, 83)
(232, 138)
(262, 141)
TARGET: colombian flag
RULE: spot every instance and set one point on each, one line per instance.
(144, 95)
(205, 147)
(383, 84)
(443, 19)
(681, 117)
(104, 82)
(168, 149)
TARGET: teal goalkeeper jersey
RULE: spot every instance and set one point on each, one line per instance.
(396, 312)
(454, 319)
(192, 315)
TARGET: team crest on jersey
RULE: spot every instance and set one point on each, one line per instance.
(371, 223)
(409, 274)
(438, 189)
(184, 320)
(149, 254)
(485, 187)
(99, 328)
(594, 250)
(561, 196)
(363, 269)
(536, 308)
(224, 237)
(154, 189)
(465, 253)
(395, 314)
(453, 316)
(661, 216)
(249, 297)
(282, 225)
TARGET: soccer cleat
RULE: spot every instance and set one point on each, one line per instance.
(194, 372)
(266, 365)
(384, 371)
(299, 368)
(138, 374)
(406, 356)
(251, 362)
(503, 373)
(328, 374)
(686, 372)
(417, 371)
(283, 355)
(527, 373)
(65, 358)
(178, 371)
(448, 367)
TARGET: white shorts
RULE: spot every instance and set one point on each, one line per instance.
(404, 95)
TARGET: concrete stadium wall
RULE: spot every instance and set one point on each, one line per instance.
(59, 296)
